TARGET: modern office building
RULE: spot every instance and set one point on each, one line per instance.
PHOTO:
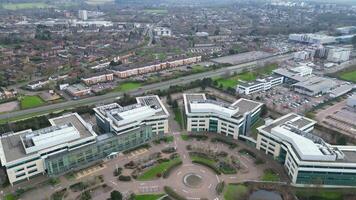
(83, 14)
(234, 120)
(148, 111)
(71, 144)
(307, 159)
(312, 38)
(259, 85)
(338, 54)
(24, 154)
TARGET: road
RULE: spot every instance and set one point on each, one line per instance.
(161, 85)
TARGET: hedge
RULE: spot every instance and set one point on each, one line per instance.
(170, 192)
(124, 178)
(220, 188)
(215, 169)
(171, 168)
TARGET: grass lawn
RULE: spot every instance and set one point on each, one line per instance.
(10, 197)
(158, 169)
(235, 192)
(156, 11)
(270, 175)
(30, 101)
(198, 69)
(148, 196)
(204, 160)
(124, 87)
(178, 117)
(234, 80)
(184, 137)
(348, 76)
(19, 6)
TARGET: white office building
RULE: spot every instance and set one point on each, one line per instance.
(83, 14)
(259, 85)
(234, 120)
(148, 111)
(338, 54)
(23, 153)
(307, 159)
(312, 38)
(162, 31)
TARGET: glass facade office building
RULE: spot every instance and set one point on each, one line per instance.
(104, 146)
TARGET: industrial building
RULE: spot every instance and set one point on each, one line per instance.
(259, 85)
(351, 101)
(307, 159)
(71, 144)
(233, 120)
(314, 86)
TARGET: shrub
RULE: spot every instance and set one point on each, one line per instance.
(212, 167)
(115, 195)
(173, 156)
(118, 171)
(169, 150)
(124, 178)
(80, 186)
(170, 192)
(220, 188)
(226, 141)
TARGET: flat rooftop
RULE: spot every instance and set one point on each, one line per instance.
(12, 145)
(235, 110)
(292, 118)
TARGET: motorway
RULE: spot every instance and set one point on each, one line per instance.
(110, 97)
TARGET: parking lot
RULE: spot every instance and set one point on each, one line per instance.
(284, 100)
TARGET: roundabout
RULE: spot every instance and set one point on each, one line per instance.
(192, 180)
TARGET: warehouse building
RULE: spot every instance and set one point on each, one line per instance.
(314, 86)
(233, 120)
(307, 159)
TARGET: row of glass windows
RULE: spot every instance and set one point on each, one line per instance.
(67, 161)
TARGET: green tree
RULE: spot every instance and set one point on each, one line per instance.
(115, 195)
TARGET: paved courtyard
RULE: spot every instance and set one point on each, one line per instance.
(205, 189)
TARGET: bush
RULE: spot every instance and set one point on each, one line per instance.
(124, 178)
(115, 195)
(85, 196)
(171, 168)
(170, 192)
(162, 160)
(118, 171)
(226, 141)
(173, 156)
(220, 188)
(212, 167)
(198, 136)
(169, 150)
(80, 186)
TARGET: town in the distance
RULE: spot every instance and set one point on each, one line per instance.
(178, 100)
